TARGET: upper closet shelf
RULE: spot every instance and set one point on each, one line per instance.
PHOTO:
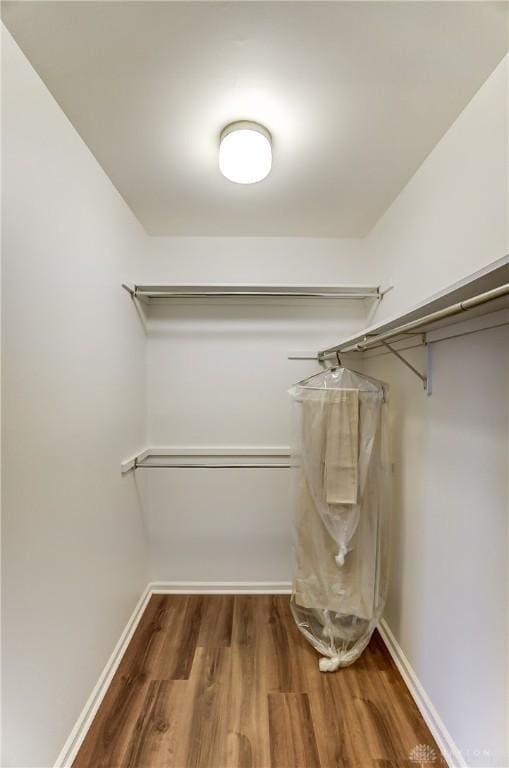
(149, 293)
(483, 292)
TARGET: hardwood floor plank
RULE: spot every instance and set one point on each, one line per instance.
(252, 668)
(217, 622)
(248, 737)
(246, 615)
(176, 658)
(287, 649)
(162, 720)
(292, 735)
(248, 725)
(207, 739)
(329, 724)
(405, 716)
(387, 739)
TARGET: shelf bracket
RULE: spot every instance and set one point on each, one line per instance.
(132, 291)
(425, 378)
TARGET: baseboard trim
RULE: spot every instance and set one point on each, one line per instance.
(221, 587)
(443, 738)
(84, 721)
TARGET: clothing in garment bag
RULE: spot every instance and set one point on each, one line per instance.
(340, 582)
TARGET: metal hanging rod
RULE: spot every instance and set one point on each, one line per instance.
(414, 325)
(435, 341)
(353, 292)
(208, 465)
(216, 457)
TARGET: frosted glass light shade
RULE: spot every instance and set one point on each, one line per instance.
(245, 152)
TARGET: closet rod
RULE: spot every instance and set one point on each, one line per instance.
(341, 292)
(441, 314)
(285, 294)
(160, 465)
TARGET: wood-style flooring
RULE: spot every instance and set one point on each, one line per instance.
(229, 682)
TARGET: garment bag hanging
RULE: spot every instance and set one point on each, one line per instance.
(342, 510)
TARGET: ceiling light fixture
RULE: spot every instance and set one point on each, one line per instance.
(245, 152)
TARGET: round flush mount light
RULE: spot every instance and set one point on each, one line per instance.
(245, 152)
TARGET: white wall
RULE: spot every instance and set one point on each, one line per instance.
(306, 260)
(452, 218)
(448, 605)
(217, 376)
(74, 553)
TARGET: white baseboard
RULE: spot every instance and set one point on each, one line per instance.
(84, 721)
(221, 587)
(443, 738)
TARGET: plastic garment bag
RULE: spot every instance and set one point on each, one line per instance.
(341, 457)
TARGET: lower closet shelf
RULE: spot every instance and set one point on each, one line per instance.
(277, 457)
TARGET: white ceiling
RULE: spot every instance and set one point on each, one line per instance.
(355, 94)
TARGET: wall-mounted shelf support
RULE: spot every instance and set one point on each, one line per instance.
(129, 290)
(426, 379)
